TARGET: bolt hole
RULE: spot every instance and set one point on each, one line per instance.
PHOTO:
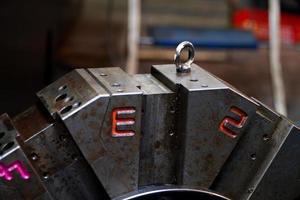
(172, 109)
(253, 156)
(61, 97)
(266, 137)
(45, 175)
(7, 146)
(139, 87)
(250, 190)
(67, 99)
(194, 80)
(62, 138)
(66, 110)
(204, 85)
(116, 84)
(34, 156)
(76, 104)
(62, 88)
(2, 134)
(74, 157)
(171, 133)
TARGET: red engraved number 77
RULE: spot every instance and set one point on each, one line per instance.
(6, 170)
(235, 123)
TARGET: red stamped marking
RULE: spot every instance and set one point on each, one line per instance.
(117, 121)
(238, 124)
(6, 170)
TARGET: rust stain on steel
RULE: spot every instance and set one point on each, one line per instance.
(31, 122)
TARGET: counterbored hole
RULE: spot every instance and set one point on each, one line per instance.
(2, 134)
(62, 88)
(34, 156)
(66, 110)
(253, 156)
(194, 80)
(266, 137)
(7, 146)
(76, 104)
(45, 175)
(116, 84)
(67, 99)
(250, 190)
(61, 97)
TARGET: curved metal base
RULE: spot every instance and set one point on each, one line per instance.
(172, 193)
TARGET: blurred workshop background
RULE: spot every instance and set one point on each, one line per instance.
(40, 40)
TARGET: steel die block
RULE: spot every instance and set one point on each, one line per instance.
(187, 129)
(281, 179)
(19, 187)
(56, 158)
(115, 160)
(70, 93)
(247, 160)
(200, 111)
(159, 147)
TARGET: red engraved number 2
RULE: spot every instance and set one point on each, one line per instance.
(119, 120)
(233, 122)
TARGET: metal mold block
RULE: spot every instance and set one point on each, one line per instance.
(114, 159)
(57, 160)
(159, 148)
(203, 103)
(70, 93)
(24, 183)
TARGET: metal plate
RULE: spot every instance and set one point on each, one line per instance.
(204, 104)
(57, 160)
(281, 180)
(247, 160)
(114, 159)
(24, 185)
(115, 81)
(197, 79)
(159, 142)
(70, 93)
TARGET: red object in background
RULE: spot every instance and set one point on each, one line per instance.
(257, 21)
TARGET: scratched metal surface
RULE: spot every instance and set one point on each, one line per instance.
(281, 180)
(191, 130)
(70, 93)
(203, 102)
(253, 149)
(159, 150)
(17, 188)
(117, 166)
(57, 160)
